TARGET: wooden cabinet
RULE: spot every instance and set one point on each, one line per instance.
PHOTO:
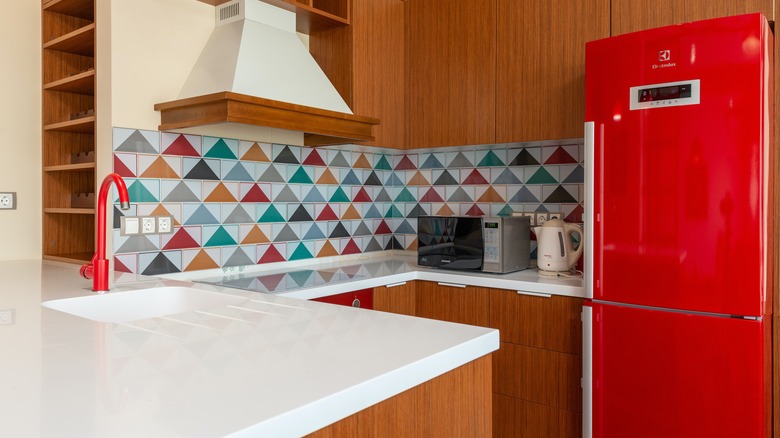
(365, 62)
(69, 115)
(396, 298)
(633, 15)
(452, 302)
(451, 78)
(363, 299)
(540, 72)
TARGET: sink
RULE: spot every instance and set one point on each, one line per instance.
(124, 306)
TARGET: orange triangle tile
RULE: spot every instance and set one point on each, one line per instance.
(328, 250)
(413, 246)
(327, 178)
(491, 195)
(255, 153)
(418, 180)
(201, 261)
(162, 211)
(362, 163)
(351, 213)
(220, 194)
(445, 211)
(255, 235)
(159, 169)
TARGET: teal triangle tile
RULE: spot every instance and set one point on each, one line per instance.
(383, 164)
(524, 195)
(181, 193)
(362, 230)
(239, 216)
(507, 177)
(351, 179)
(373, 180)
(140, 193)
(271, 175)
(339, 196)
(339, 231)
(405, 228)
(238, 258)
(200, 169)
(301, 177)
(271, 215)
(315, 232)
(137, 244)
(373, 245)
(372, 213)
(383, 196)
(221, 150)
(394, 181)
(405, 196)
(239, 172)
(490, 159)
(160, 265)
(221, 237)
(445, 179)
(300, 215)
(560, 195)
(137, 143)
(432, 163)
(393, 212)
(417, 211)
(286, 235)
(541, 177)
(338, 160)
(393, 243)
(201, 216)
(286, 195)
(301, 277)
(460, 195)
(506, 211)
(460, 160)
(576, 176)
(314, 195)
(286, 156)
(300, 253)
(524, 158)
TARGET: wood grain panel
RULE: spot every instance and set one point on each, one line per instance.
(776, 375)
(451, 61)
(69, 233)
(540, 74)
(776, 265)
(633, 15)
(516, 418)
(541, 376)
(396, 299)
(551, 323)
(467, 305)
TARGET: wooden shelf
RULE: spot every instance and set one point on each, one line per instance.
(79, 167)
(80, 42)
(77, 257)
(65, 210)
(75, 8)
(84, 125)
(82, 83)
(307, 18)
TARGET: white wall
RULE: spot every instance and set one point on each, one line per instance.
(20, 130)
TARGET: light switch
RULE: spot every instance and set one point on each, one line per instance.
(129, 226)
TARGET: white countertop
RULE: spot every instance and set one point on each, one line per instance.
(278, 366)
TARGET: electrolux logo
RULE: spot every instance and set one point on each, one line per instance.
(665, 60)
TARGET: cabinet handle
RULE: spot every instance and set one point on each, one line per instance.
(396, 284)
(462, 286)
(356, 302)
(534, 294)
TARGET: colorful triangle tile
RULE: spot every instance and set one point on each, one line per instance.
(139, 193)
(373, 180)
(491, 195)
(372, 213)
(327, 178)
(314, 195)
(301, 177)
(327, 214)
(445, 211)
(506, 211)
(524, 195)
(160, 265)
(286, 156)
(271, 175)
(405, 228)
(122, 169)
(271, 255)
(383, 164)
(432, 163)
(490, 159)
(301, 253)
(181, 240)
(393, 212)
(475, 177)
(460, 160)
(405, 164)
(160, 210)
(271, 215)
(327, 250)
(560, 156)
(383, 228)
(255, 194)
(362, 162)
(338, 232)
(201, 261)
(181, 193)
(239, 215)
(255, 235)
(339, 196)
(475, 211)
(446, 179)
(137, 142)
(220, 194)
(524, 158)
(576, 176)
(418, 180)
(220, 238)
(560, 195)
(160, 169)
(362, 196)
(417, 211)
(541, 176)
(405, 196)
(182, 147)
(350, 248)
(201, 170)
(350, 213)
(201, 216)
(300, 215)
(507, 177)
(338, 160)
(351, 179)
(286, 234)
(314, 159)
(431, 196)
(576, 215)
(238, 258)
(221, 150)
(286, 195)
(315, 232)
(460, 195)
(239, 172)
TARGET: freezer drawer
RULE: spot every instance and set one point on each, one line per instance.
(658, 373)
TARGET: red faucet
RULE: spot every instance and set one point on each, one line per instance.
(97, 269)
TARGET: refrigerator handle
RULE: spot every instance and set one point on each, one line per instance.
(587, 371)
(588, 207)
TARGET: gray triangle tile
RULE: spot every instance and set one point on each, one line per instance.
(239, 172)
(372, 213)
(239, 215)
(460, 195)
(524, 195)
(405, 228)
(373, 245)
(507, 177)
(181, 192)
(137, 142)
(314, 232)
(362, 230)
(460, 160)
(239, 258)
(137, 244)
(272, 175)
(286, 195)
(314, 195)
(286, 235)
(339, 160)
(383, 196)
(576, 176)
(201, 216)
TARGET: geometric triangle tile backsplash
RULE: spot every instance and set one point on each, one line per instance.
(240, 202)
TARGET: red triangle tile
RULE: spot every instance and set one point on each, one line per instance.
(121, 169)
(560, 156)
(120, 267)
(475, 178)
(327, 214)
(475, 211)
(181, 146)
(271, 255)
(314, 159)
(362, 196)
(383, 229)
(181, 240)
(405, 164)
(351, 248)
(255, 194)
(431, 196)
(576, 215)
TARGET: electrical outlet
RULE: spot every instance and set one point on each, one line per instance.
(532, 216)
(554, 216)
(541, 218)
(8, 201)
(164, 224)
(148, 225)
(7, 317)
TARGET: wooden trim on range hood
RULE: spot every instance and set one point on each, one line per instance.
(322, 127)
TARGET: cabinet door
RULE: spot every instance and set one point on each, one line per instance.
(451, 56)
(398, 298)
(465, 305)
(359, 298)
(540, 74)
(633, 15)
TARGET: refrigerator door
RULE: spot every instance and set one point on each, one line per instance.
(669, 374)
(680, 181)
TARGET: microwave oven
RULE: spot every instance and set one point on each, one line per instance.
(487, 244)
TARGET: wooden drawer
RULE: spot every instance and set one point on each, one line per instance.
(552, 323)
(541, 376)
(513, 417)
(465, 305)
(397, 298)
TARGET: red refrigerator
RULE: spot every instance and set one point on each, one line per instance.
(678, 226)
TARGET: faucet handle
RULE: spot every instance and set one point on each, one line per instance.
(87, 271)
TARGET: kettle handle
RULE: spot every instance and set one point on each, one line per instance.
(573, 255)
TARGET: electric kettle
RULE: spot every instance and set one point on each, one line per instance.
(555, 246)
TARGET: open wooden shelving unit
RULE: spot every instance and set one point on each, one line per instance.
(69, 180)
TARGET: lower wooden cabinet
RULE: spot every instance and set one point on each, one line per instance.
(452, 302)
(514, 417)
(396, 298)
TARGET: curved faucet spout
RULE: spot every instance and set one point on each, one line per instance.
(97, 269)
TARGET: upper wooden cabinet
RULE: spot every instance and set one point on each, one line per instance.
(451, 81)
(540, 73)
(633, 15)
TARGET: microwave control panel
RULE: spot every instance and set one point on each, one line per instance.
(492, 242)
